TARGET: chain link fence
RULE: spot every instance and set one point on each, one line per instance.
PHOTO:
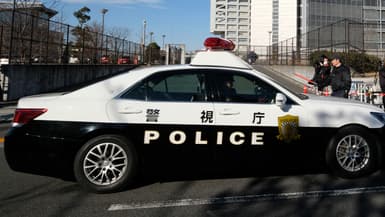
(28, 39)
(343, 36)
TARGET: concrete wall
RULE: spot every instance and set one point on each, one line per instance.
(24, 80)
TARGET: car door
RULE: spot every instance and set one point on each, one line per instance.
(253, 127)
(170, 115)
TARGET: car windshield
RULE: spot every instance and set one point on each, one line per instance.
(284, 86)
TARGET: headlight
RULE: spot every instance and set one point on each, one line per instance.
(379, 116)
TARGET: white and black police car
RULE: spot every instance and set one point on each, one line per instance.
(216, 109)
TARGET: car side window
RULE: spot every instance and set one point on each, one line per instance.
(179, 87)
(244, 89)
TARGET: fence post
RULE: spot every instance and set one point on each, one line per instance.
(287, 54)
(30, 41)
(331, 38)
(101, 49)
(363, 38)
(106, 43)
(319, 39)
(129, 49)
(116, 49)
(346, 37)
(96, 49)
(82, 59)
(47, 46)
(123, 54)
(348, 32)
(281, 55)
(66, 56)
(11, 37)
(293, 52)
(1, 40)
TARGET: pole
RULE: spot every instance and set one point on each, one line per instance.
(144, 40)
(163, 36)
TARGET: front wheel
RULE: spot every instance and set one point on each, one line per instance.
(352, 153)
(106, 164)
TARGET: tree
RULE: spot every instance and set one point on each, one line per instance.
(82, 32)
(82, 16)
(152, 52)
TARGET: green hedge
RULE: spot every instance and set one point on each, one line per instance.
(360, 62)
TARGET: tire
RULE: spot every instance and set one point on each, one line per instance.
(105, 164)
(352, 153)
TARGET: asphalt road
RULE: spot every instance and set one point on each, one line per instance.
(285, 192)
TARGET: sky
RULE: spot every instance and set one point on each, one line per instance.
(181, 21)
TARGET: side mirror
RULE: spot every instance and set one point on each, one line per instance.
(280, 100)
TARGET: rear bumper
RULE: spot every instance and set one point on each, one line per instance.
(40, 155)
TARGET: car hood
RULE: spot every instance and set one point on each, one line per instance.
(330, 101)
(337, 112)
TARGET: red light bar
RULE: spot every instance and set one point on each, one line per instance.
(214, 43)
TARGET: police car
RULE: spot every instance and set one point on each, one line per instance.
(218, 108)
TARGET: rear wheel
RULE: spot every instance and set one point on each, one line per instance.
(352, 153)
(106, 163)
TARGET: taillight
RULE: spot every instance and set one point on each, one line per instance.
(23, 116)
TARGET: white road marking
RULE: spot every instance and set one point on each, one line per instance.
(246, 198)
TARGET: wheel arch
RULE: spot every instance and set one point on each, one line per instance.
(375, 135)
(108, 131)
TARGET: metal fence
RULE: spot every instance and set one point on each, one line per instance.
(28, 39)
(343, 36)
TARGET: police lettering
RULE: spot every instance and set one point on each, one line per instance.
(178, 137)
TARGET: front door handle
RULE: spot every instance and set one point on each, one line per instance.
(229, 112)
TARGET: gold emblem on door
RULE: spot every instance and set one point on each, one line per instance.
(288, 128)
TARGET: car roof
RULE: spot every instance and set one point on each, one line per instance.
(219, 58)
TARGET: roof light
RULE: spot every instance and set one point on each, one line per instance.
(214, 43)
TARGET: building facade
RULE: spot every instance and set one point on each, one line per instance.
(253, 23)
(231, 20)
(273, 21)
(318, 13)
(374, 19)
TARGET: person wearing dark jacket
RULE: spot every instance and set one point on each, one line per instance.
(341, 79)
(321, 76)
(382, 82)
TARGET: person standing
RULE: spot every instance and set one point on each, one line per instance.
(382, 82)
(321, 76)
(341, 79)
